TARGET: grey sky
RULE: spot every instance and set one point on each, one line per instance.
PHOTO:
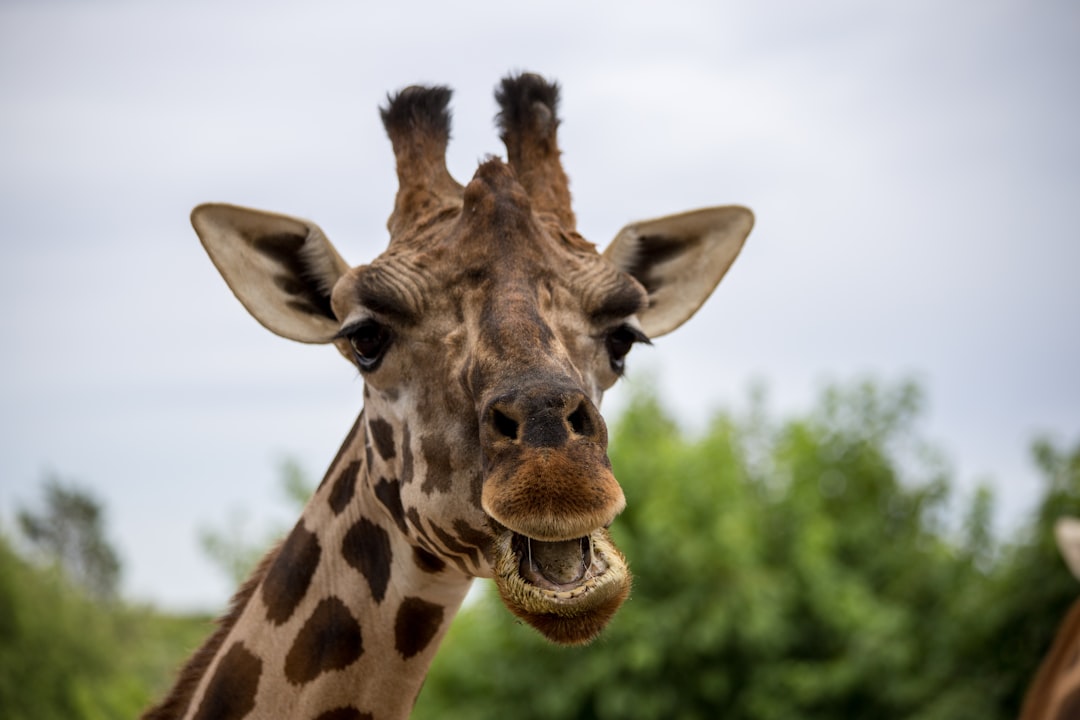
(914, 167)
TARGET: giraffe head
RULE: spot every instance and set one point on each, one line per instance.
(486, 335)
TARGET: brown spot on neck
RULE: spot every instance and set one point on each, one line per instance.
(416, 625)
(437, 454)
(289, 577)
(231, 692)
(344, 487)
(366, 547)
(389, 494)
(330, 640)
(428, 562)
(382, 436)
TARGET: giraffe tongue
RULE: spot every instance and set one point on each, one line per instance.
(555, 565)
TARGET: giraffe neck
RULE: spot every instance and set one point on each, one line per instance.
(342, 619)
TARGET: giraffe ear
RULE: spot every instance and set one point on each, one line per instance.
(679, 259)
(280, 268)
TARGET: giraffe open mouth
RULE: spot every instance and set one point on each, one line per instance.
(563, 567)
(568, 589)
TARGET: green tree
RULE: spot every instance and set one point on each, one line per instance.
(65, 655)
(69, 646)
(70, 532)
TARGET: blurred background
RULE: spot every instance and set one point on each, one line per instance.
(914, 169)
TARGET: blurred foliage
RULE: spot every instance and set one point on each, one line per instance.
(801, 570)
(67, 653)
(69, 648)
(70, 533)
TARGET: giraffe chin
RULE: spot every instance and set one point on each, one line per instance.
(567, 590)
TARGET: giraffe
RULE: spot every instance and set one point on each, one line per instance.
(485, 334)
(1054, 693)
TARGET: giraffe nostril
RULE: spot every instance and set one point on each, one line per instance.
(579, 421)
(507, 426)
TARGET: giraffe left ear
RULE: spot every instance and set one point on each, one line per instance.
(280, 268)
(679, 259)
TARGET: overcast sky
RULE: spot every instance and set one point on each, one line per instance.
(914, 168)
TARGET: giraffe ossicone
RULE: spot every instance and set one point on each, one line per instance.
(486, 334)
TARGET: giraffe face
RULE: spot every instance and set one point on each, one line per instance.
(486, 335)
(486, 342)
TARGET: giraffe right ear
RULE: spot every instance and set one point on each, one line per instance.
(280, 268)
(679, 259)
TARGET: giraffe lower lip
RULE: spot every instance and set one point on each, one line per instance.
(570, 613)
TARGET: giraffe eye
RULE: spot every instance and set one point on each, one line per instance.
(369, 341)
(618, 341)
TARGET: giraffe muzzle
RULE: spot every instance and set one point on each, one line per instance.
(550, 494)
